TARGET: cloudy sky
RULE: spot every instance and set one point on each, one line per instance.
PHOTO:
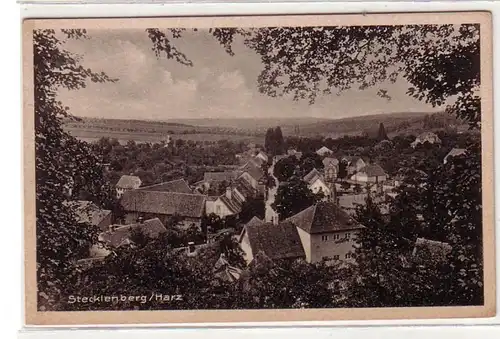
(217, 86)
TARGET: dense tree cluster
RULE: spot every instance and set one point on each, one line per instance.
(158, 162)
(274, 143)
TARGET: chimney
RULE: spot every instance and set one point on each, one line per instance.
(228, 192)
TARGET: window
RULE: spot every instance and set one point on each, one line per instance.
(324, 238)
(336, 257)
(348, 236)
(336, 236)
(348, 255)
(217, 209)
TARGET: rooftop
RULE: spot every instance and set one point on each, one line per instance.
(324, 217)
(280, 241)
(120, 235)
(373, 170)
(177, 186)
(129, 182)
(168, 203)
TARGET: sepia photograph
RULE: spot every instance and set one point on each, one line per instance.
(239, 169)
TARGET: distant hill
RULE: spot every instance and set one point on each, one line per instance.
(394, 123)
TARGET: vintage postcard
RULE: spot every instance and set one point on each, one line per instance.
(249, 169)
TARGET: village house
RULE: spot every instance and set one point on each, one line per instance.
(213, 179)
(277, 242)
(227, 204)
(372, 173)
(331, 168)
(90, 214)
(326, 232)
(189, 208)
(429, 137)
(177, 186)
(453, 153)
(120, 235)
(231, 202)
(324, 151)
(127, 183)
(263, 156)
(254, 175)
(349, 202)
(353, 163)
(316, 183)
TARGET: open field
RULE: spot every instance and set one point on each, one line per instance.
(253, 130)
(123, 137)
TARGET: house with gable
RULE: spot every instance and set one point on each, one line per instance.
(428, 137)
(326, 231)
(263, 156)
(353, 164)
(277, 242)
(254, 175)
(372, 173)
(127, 183)
(224, 205)
(189, 208)
(331, 168)
(120, 235)
(316, 183)
(324, 151)
(90, 214)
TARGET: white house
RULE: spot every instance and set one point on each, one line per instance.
(331, 168)
(429, 137)
(126, 183)
(225, 205)
(354, 164)
(316, 183)
(370, 174)
(326, 232)
(263, 156)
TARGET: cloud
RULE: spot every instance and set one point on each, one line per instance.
(218, 85)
